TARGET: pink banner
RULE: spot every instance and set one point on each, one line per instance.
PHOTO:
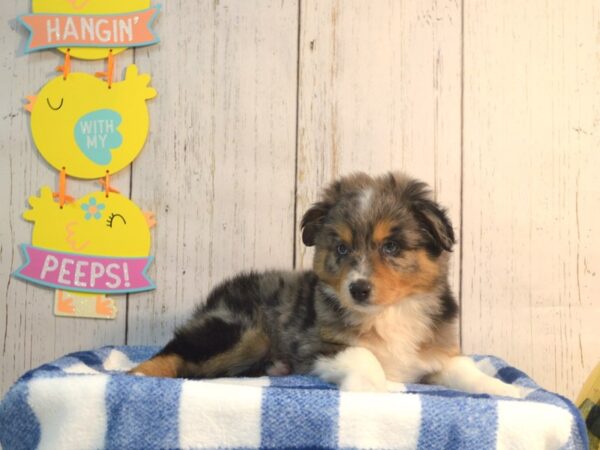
(73, 30)
(84, 273)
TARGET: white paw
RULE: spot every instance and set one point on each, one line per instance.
(500, 388)
(460, 372)
(394, 386)
(353, 369)
(356, 382)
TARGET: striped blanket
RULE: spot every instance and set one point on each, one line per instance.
(84, 401)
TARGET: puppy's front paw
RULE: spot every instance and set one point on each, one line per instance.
(358, 382)
(353, 369)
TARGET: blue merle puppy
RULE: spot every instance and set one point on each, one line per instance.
(377, 305)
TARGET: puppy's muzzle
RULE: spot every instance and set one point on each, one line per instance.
(360, 290)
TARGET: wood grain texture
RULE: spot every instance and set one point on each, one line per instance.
(219, 166)
(531, 255)
(263, 102)
(379, 90)
(30, 334)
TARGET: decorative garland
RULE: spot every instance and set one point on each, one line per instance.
(89, 127)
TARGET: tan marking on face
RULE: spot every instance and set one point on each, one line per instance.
(382, 230)
(252, 347)
(344, 232)
(164, 366)
(391, 285)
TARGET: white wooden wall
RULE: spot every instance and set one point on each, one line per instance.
(496, 104)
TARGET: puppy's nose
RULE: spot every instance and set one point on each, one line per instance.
(360, 290)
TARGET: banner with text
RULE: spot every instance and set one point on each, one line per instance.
(84, 273)
(90, 30)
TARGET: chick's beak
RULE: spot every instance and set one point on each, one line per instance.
(32, 99)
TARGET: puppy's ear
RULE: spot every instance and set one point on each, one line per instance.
(431, 217)
(434, 221)
(312, 222)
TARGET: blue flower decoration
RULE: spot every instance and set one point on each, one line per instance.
(92, 209)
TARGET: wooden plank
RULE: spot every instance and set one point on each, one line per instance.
(219, 167)
(29, 332)
(380, 90)
(531, 194)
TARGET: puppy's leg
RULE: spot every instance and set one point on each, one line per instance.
(353, 369)
(161, 365)
(460, 372)
(209, 348)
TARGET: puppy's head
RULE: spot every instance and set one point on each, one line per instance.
(378, 240)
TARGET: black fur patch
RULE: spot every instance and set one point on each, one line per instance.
(200, 343)
(255, 370)
(240, 294)
(294, 347)
(436, 227)
(304, 306)
(312, 222)
(273, 300)
(432, 248)
(449, 309)
(433, 220)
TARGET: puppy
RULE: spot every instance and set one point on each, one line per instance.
(377, 305)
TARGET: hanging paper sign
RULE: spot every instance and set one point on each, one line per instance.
(81, 125)
(83, 273)
(90, 29)
(120, 30)
(95, 244)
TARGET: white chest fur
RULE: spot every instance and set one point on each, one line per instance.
(406, 341)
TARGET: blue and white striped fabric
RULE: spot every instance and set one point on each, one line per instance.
(83, 400)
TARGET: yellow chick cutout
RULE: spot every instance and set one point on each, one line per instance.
(95, 225)
(87, 126)
(82, 127)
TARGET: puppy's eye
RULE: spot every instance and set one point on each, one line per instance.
(342, 249)
(390, 248)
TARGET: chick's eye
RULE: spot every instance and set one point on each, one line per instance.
(390, 248)
(55, 108)
(115, 218)
(342, 249)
